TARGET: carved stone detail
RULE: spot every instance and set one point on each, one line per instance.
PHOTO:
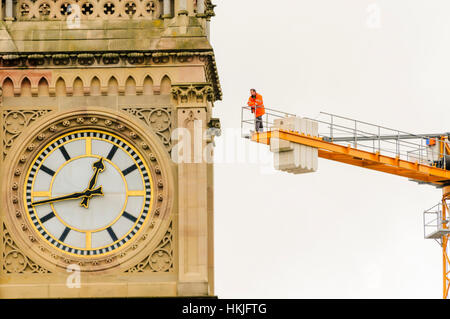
(14, 122)
(85, 10)
(120, 58)
(161, 259)
(158, 119)
(193, 93)
(209, 10)
(14, 260)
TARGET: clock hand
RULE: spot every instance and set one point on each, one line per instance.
(88, 193)
(98, 168)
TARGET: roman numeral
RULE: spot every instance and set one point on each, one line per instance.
(47, 217)
(64, 153)
(47, 170)
(129, 170)
(112, 152)
(111, 233)
(129, 217)
(88, 240)
(64, 234)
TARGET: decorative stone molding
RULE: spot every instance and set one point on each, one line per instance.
(118, 59)
(159, 119)
(209, 9)
(136, 57)
(86, 58)
(10, 60)
(86, 10)
(14, 122)
(61, 59)
(36, 59)
(193, 93)
(161, 259)
(15, 261)
(110, 58)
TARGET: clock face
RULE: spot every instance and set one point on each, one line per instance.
(88, 193)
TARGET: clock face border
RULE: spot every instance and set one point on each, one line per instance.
(33, 140)
(38, 162)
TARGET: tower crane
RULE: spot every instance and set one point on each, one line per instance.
(422, 158)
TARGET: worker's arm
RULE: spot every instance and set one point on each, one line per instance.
(249, 103)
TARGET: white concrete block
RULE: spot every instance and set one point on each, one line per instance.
(292, 157)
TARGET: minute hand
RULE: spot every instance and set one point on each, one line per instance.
(89, 193)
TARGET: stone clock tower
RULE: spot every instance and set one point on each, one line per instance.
(96, 97)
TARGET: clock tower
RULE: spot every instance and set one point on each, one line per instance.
(105, 107)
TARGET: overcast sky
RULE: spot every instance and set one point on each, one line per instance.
(342, 232)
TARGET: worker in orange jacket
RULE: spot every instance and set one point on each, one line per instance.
(257, 106)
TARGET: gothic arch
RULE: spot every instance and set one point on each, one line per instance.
(148, 85)
(43, 89)
(25, 87)
(113, 86)
(130, 86)
(60, 87)
(95, 89)
(166, 85)
(78, 87)
(8, 87)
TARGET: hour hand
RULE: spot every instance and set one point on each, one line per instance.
(98, 168)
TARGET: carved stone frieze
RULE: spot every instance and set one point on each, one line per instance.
(15, 261)
(159, 119)
(161, 259)
(192, 93)
(120, 59)
(86, 10)
(14, 122)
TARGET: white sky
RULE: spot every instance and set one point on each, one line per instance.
(342, 232)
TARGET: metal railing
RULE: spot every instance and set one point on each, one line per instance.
(415, 148)
(383, 140)
(434, 225)
(248, 120)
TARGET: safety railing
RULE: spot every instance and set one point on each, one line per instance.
(248, 120)
(434, 225)
(426, 149)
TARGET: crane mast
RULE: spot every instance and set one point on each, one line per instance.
(423, 158)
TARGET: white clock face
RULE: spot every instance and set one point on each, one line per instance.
(88, 193)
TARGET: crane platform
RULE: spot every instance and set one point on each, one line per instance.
(364, 145)
(357, 157)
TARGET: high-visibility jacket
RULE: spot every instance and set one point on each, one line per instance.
(257, 104)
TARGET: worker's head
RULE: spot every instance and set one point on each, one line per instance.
(252, 92)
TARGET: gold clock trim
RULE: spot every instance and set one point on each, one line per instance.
(128, 193)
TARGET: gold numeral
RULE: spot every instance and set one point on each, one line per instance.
(41, 194)
(88, 146)
(136, 193)
(88, 240)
